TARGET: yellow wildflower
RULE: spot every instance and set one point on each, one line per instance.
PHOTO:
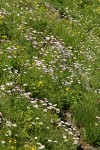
(28, 147)
(15, 141)
(40, 83)
(12, 147)
(1, 17)
(10, 141)
(22, 27)
(98, 8)
(67, 89)
(15, 52)
(17, 46)
(4, 37)
(33, 148)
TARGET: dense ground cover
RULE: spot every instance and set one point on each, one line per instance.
(49, 65)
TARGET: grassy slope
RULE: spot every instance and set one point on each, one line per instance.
(51, 54)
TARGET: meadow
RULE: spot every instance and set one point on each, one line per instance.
(49, 74)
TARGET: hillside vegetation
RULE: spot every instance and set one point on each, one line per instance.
(49, 68)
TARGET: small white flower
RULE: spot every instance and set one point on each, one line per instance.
(4, 69)
(47, 38)
(2, 87)
(9, 91)
(48, 127)
(49, 141)
(33, 123)
(3, 142)
(35, 106)
(14, 125)
(29, 93)
(8, 123)
(9, 56)
(75, 142)
(55, 141)
(6, 135)
(50, 107)
(76, 138)
(41, 123)
(66, 130)
(70, 133)
(96, 124)
(35, 138)
(45, 110)
(38, 143)
(25, 84)
(37, 118)
(64, 136)
(41, 147)
(65, 140)
(9, 132)
(9, 83)
(44, 104)
(32, 102)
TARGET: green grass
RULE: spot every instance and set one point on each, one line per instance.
(49, 54)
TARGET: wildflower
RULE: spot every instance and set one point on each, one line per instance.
(33, 102)
(40, 83)
(67, 89)
(25, 84)
(1, 17)
(33, 148)
(45, 110)
(98, 8)
(35, 138)
(66, 130)
(14, 125)
(9, 91)
(4, 37)
(3, 142)
(64, 136)
(15, 141)
(65, 140)
(75, 142)
(47, 38)
(37, 118)
(12, 147)
(97, 117)
(8, 123)
(70, 133)
(49, 141)
(10, 141)
(9, 83)
(35, 106)
(33, 123)
(39, 143)
(41, 123)
(75, 138)
(15, 52)
(96, 124)
(55, 141)
(4, 69)
(9, 132)
(48, 127)
(41, 147)
(21, 27)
